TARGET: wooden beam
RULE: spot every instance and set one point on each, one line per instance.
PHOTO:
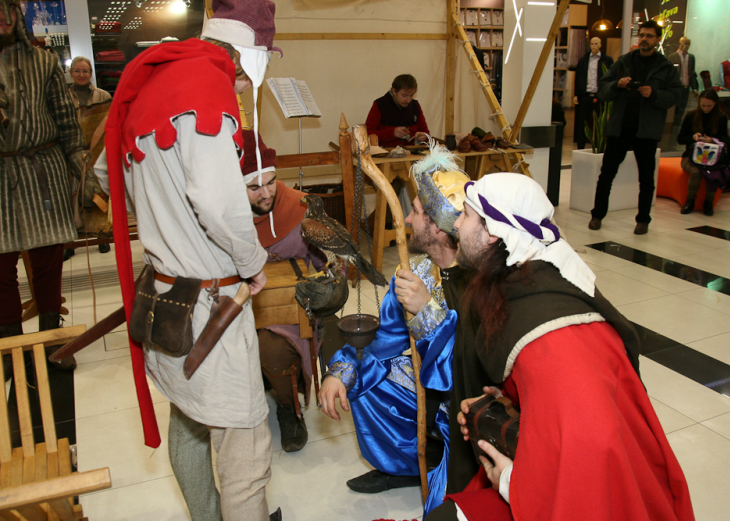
(360, 36)
(48, 338)
(452, 7)
(57, 488)
(310, 159)
(542, 60)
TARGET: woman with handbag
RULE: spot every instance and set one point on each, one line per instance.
(704, 125)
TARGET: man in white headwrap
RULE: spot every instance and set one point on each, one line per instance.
(590, 445)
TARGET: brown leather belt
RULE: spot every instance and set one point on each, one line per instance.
(39, 170)
(29, 151)
(228, 281)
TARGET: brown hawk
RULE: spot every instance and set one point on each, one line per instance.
(333, 239)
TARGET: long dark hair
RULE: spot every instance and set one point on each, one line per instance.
(714, 114)
(485, 293)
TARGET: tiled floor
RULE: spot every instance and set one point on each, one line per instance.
(309, 485)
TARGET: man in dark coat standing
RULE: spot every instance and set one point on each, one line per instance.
(643, 85)
(35, 195)
(589, 71)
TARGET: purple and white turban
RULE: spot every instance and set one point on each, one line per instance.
(516, 209)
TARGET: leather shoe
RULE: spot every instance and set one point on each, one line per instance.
(689, 207)
(641, 228)
(293, 430)
(595, 224)
(375, 481)
(707, 208)
(465, 145)
(489, 139)
(503, 143)
(477, 145)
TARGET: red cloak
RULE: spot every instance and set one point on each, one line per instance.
(591, 445)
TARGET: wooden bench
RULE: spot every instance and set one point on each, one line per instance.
(36, 479)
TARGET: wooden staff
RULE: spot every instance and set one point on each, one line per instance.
(374, 173)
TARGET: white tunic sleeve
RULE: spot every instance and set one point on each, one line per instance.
(217, 193)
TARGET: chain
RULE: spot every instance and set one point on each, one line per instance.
(362, 221)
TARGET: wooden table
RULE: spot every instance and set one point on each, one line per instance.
(399, 167)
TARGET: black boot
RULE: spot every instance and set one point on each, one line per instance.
(708, 209)
(689, 207)
(276, 516)
(14, 329)
(52, 320)
(376, 481)
(293, 430)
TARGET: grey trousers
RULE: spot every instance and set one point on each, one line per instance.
(243, 464)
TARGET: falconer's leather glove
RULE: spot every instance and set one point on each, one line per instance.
(324, 295)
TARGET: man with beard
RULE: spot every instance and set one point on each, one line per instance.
(285, 357)
(642, 85)
(42, 135)
(380, 388)
(590, 445)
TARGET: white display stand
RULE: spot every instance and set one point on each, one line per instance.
(625, 188)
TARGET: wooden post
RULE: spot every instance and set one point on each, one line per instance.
(382, 184)
(451, 9)
(544, 55)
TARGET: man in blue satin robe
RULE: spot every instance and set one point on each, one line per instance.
(380, 388)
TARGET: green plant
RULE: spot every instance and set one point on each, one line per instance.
(597, 134)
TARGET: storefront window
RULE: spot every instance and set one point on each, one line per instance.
(121, 29)
(46, 23)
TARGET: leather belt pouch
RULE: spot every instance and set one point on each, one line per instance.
(164, 322)
(496, 421)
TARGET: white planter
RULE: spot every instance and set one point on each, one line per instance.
(625, 188)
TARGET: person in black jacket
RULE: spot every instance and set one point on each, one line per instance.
(588, 72)
(643, 85)
(701, 125)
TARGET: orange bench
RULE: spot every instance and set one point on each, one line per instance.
(672, 182)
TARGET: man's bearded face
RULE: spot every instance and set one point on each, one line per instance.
(474, 239)
(7, 26)
(262, 196)
(421, 241)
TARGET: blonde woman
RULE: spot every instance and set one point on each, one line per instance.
(83, 92)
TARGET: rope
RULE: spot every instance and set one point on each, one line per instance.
(516, 166)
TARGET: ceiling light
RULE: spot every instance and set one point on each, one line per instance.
(178, 7)
(603, 25)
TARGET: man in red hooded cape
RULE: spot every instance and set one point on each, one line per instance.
(174, 147)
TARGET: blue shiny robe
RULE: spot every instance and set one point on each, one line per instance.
(381, 386)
